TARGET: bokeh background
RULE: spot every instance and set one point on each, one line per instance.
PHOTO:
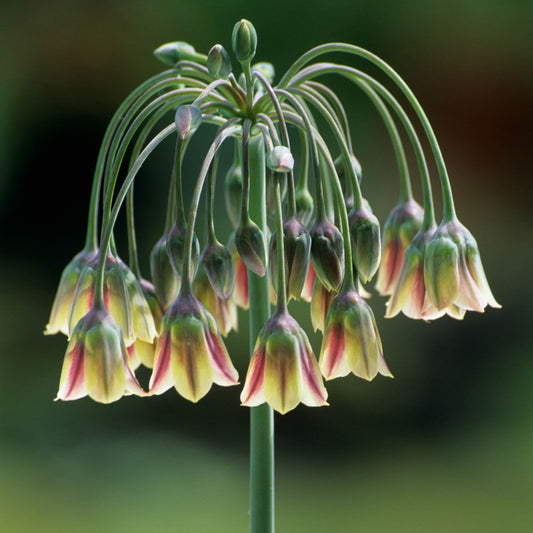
(446, 446)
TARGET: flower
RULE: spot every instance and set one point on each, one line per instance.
(409, 294)
(59, 316)
(283, 370)
(96, 362)
(453, 273)
(166, 281)
(351, 340)
(404, 222)
(327, 254)
(320, 303)
(241, 295)
(218, 265)
(307, 291)
(250, 243)
(123, 298)
(297, 251)
(190, 354)
(223, 311)
(366, 242)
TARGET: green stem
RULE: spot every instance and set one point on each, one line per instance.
(448, 204)
(261, 417)
(282, 289)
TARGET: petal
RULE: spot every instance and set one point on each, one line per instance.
(83, 297)
(161, 379)
(313, 392)
(190, 365)
(117, 301)
(253, 392)
(224, 371)
(333, 361)
(72, 381)
(469, 296)
(478, 274)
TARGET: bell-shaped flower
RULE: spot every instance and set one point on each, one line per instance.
(453, 273)
(283, 370)
(297, 247)
(250, 243)
(166, 281)
(123, 298)
(351, 340)
(59, 316)
(97, 363)
(404, 222)
(327, 254)
(409, 295)
(176, 249)
(224, 311)
(190, 354)
(366, 242)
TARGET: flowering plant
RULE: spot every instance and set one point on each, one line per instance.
(287, 243)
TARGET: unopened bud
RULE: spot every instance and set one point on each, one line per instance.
(218, 266)
(327, 253)
(218, 62)
(188, 120)
(176, 249)
(250, 243)
(280, 159)
(233, 192)
(165, 280)
(366, 242)
(304, 205)
(244, 40)
(171, 53)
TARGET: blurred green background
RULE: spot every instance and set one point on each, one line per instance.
(446, 446)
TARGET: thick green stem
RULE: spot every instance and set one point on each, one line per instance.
(262, 417)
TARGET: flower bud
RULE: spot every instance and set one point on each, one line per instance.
(244, 41)
(176, 249)
(218, 62)
(188, 120)
(250, 243)
(340, 166)
(233, 192)
(305, 205)
(218, 266)
(403, 224)
(171, 53)
(297, 247)
(327, 254)
(166, 281)
(266, 69)
(280, 159)
(366, 242)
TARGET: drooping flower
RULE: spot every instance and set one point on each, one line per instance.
(351, 340)
(250, 243)
(409, 295)
(327, 254)
(123, 298)
(241, 295)
(190, 354)
(166, 281)
(59, 316)
(297, 248)
(97, 363)
(453, 273)
(404, 222)
(224, 311)
(366, 242)
(283, 370)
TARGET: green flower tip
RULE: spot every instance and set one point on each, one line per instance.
(172, 53)
(218, 62)
(327, 254)
(366, 242)
(250, 243)
(244, 41)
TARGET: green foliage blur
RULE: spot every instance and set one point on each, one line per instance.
(444, 447)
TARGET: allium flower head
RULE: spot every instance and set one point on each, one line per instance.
(453, 272)
(351, 340)
(96, 362)
(283, 370)
(404, 222)
(59, 316)
(190, 354)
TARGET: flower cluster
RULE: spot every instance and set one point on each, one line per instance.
(301, 230)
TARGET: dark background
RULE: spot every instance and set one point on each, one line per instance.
(446, 446)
